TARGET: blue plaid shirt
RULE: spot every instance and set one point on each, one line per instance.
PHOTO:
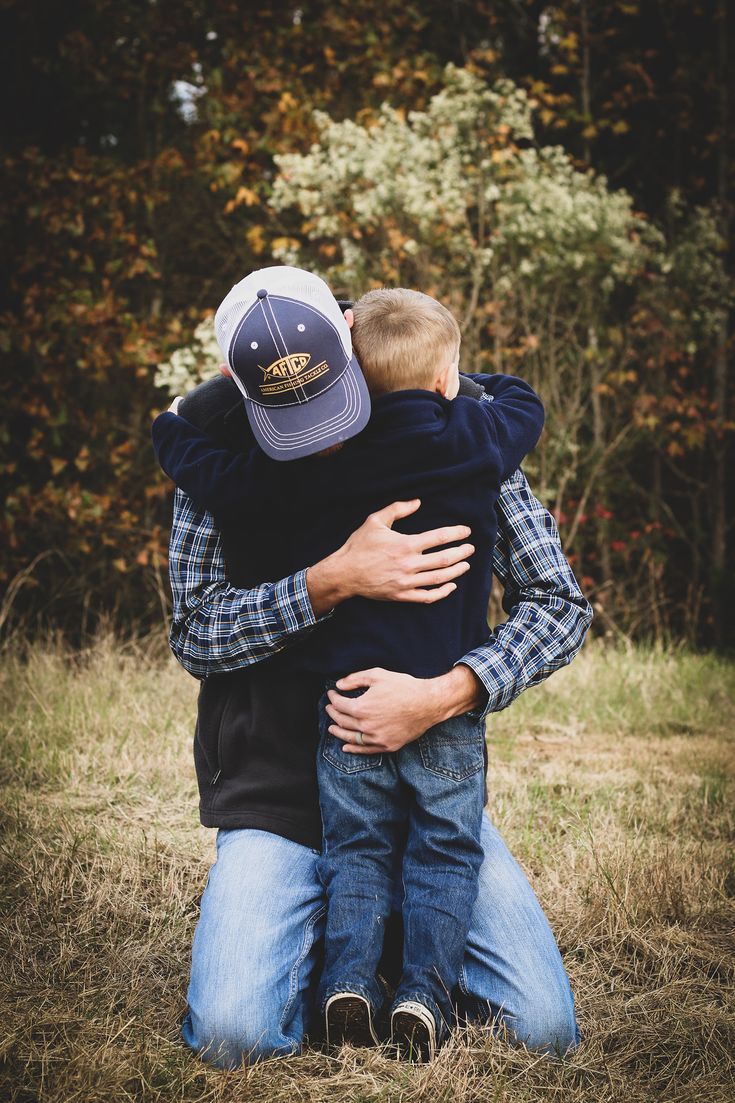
(217, 627)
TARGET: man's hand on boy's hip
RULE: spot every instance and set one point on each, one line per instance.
(398, 708)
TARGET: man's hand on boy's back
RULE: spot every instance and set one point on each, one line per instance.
(378, 563)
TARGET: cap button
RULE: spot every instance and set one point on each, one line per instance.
(262, 293)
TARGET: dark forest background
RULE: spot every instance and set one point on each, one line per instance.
(138, 163)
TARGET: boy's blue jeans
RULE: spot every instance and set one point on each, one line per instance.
(401, 829)
(257, 953)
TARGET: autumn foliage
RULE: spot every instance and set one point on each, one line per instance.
(146, 162)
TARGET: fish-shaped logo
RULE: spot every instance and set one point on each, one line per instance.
(290, 372)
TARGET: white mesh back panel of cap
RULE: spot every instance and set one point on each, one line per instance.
(235, 304)
(225, 321)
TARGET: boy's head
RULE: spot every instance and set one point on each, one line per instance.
(405, 339)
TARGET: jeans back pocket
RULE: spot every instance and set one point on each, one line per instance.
(330, 747)
(454, 748)
(331, 750)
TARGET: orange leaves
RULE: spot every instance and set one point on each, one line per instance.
(280, 246)
(256, 239)
(170, 160)
(82, 460)
(287, 102)
(396, 238)
(243, 197)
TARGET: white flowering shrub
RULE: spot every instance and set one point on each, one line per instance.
(192, 364)
(527, 250)
(404, 199)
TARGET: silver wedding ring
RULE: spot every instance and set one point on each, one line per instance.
(358, 739)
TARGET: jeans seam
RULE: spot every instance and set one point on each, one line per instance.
(307, 943)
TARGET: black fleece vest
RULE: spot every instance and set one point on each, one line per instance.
(256, 735)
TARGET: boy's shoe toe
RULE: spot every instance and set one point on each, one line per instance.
(349, 1020)
(413, 1031)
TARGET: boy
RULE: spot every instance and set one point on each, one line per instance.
(421, 441)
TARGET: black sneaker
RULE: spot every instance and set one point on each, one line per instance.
(413, 1031)
(349, 1020)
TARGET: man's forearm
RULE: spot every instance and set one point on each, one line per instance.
(218, 627)
(455, 693)
(327, 584)
(398, 708)
(548, 614)
(223, 628)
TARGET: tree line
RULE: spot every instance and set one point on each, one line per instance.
(560, 175)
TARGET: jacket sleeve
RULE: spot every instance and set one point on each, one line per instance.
(513, 417)
(215, 478)
(218, 627)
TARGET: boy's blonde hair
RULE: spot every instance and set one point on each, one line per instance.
(402, 339)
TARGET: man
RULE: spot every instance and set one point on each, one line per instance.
(256, 950)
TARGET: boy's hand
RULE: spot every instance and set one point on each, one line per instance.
(174, 407)
(396, 709)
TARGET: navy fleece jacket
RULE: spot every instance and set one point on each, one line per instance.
(453, 455)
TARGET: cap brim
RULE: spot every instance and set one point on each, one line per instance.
(290, 432)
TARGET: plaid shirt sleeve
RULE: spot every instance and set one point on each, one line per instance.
(548, 615)
(218, 627)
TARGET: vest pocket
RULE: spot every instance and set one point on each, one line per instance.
(209, 734)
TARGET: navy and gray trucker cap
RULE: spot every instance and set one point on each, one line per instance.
(288, 346)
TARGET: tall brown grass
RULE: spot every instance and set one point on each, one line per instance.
(613, 784)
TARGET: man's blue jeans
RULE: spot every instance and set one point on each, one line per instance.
(401, 832)
(257, 953)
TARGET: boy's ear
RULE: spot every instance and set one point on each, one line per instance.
(226, 371)
(349, 317)
(441, 384)
(447, 383)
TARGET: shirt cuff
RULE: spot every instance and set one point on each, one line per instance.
(293, 605)
(499, 693)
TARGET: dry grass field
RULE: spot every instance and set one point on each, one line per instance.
(613, 785)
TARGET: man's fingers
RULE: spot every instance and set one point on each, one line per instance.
(438, 578)
(447, 557)
(434, 538)
(348, 741)
(396, 510)
(358, 680)
(428, 597)
(344, 710)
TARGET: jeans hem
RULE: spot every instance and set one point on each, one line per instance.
(356, 989)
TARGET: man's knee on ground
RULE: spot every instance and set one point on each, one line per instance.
(228, 1036)
(545, 1027)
